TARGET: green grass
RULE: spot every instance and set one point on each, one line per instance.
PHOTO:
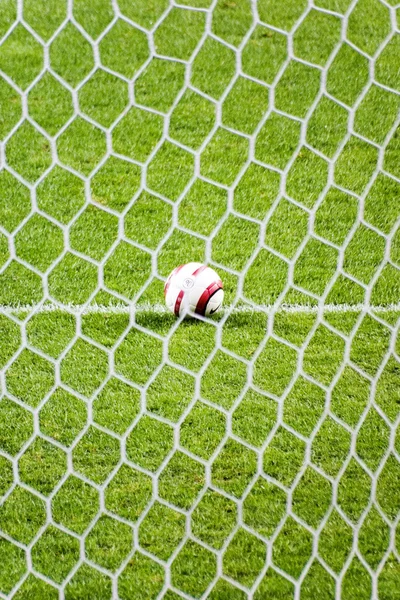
(252, 454)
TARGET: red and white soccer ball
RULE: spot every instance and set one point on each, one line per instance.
(194, 288)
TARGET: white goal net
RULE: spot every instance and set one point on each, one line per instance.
(252, 455)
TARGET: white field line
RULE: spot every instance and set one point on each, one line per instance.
(117, 309)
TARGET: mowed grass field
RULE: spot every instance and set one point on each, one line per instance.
(252, 455)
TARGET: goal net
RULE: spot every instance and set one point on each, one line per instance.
(254, 454)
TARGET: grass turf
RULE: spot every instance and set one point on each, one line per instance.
(130, 453)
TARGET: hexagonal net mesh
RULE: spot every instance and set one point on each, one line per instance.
(252, 455)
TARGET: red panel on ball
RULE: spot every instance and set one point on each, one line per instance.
(178, 302)
(206, 295)
(168, 282)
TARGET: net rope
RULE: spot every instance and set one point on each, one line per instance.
(320, 307)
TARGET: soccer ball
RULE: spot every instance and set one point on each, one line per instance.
(193, 288)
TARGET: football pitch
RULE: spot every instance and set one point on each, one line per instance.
(254, 454)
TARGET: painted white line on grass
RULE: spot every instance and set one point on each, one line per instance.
(117, 309)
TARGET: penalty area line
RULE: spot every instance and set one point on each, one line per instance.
(118, 309)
